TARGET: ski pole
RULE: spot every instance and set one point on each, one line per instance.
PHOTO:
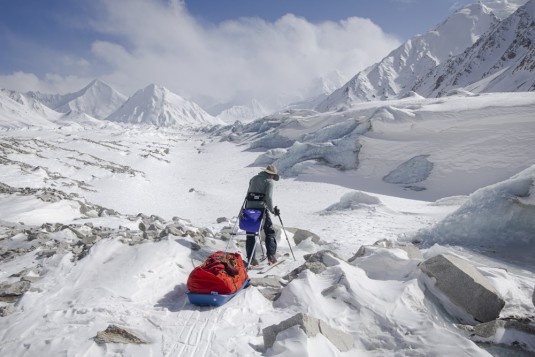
(284, 229)
(234, 231)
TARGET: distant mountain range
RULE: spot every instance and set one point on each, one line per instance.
(480, 48)
(98, 102)
(473, 48)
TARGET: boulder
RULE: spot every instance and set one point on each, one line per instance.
(271, 294)
(302, 234)
(6, 310)
(461, 284)
(311, 326)
(12, 292)
(116, 334)
(412, 251)
(268, 282)
(316, 263)
(514, 332)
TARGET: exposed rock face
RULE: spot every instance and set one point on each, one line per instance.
(12, 292)
(115, 334)
(311, 326)
(463, 286)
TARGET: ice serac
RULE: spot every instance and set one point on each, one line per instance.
(160, 107)
(395, 75)
(503, 60)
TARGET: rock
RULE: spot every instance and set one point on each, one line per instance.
(519, 333)
(226, 233)
(13, 292)
(271, 294)
(464, 286)
(194, 246)
(311, 326)
(115, 334)
(270, 282)
(222, 219)
(302, 234)
(6, 310)
(46, 253)
(316, 263)
(412, 251)
(315, 267)
(90, 239)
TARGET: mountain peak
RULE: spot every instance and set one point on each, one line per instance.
(396, 74)
(159, 106)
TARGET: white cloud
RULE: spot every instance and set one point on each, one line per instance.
(150, 42)
(50, 83)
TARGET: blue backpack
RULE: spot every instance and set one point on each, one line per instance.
(251, 219)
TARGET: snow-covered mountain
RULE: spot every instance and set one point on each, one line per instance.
(396, 75)
(18, 110)
(503, 60)
(244, 113)
(246, 110)
(97, 99)
(158, 106)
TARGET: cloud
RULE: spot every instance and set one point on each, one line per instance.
(141, 42)
(50, 83)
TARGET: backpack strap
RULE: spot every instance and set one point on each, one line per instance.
(255, 196)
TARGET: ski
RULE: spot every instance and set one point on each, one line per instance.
(269, 267)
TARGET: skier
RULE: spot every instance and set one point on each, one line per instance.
(262, 183)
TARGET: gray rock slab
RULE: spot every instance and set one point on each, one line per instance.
(268, 282)
(302, 234)
(464, 286)
(412, 251)
(12, 292)
(311, 326)
(271, 294)
(489, 329)
(116, 334)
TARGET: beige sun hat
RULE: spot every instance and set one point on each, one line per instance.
(272, 170)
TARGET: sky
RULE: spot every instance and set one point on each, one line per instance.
(207, 50)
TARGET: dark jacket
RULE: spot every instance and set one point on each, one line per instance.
(261, 183)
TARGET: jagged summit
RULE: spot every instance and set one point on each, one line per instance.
(97, 99)
(501, 61)
(396, 74)
(159, 106)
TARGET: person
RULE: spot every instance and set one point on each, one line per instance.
(262, 183)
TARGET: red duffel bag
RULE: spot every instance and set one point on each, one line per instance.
(223, 273)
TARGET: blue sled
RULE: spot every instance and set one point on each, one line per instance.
(213, 299)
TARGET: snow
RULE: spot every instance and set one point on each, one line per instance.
(158, 106)
(379, 298)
